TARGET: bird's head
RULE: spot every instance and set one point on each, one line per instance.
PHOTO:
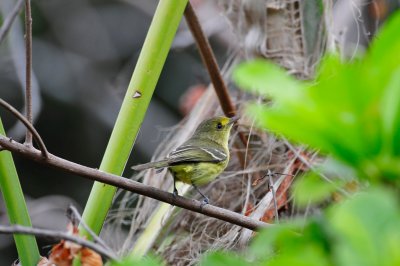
(216, 128)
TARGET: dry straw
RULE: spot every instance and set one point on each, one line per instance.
(180, 236)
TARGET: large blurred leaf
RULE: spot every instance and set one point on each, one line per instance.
(312, 189)
(146, 261)
(360, 231)
(291, 244)
(222, 259)
(351, 110)
(366, 230)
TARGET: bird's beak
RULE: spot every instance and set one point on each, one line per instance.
(233, 119)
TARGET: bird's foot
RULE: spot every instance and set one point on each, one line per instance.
(175, 193)
(204, 202)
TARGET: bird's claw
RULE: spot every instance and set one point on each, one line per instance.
(204, 202)
(175, 193)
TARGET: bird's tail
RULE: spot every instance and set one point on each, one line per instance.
(159, 164)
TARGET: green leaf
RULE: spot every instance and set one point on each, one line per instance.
(145, 261)
(386, 45)
(267, 79)
(351, 110)
(390, 110)
(312, 189)
(291, 244)
(222, 259)
(366, 229)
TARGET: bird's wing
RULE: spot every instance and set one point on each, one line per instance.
(189, 153)
(157, 165)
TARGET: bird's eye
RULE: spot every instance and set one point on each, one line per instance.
(219, 126)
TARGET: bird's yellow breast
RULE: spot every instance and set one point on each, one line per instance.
(197, 173)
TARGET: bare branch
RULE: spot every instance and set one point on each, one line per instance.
(208, 58)
(29, 126)
(271, 184)
(28, 73)
(209, 61)
(56, 235)
(8, 21)
(73, 214)
(130, 185)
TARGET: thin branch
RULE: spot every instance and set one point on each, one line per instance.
(209, 61)
(130, 185)
(56, 235)
(208, 58)
(8, 21)
(29, 126)
(28, 73)
(73, 214)
(271, 184)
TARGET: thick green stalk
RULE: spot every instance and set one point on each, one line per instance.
(141, 87)
(17, 211)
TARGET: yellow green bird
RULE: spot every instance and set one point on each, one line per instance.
(201, 158)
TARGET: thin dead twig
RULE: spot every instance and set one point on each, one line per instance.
(8, 21)
(56, 235)
(73, 215)
(209, 61)
(29, 126)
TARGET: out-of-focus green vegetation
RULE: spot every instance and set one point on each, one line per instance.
(351, 111)
(129, 261)
(360, 231)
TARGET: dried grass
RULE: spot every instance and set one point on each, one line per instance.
(185, 235)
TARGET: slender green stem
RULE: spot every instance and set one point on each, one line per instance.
(17, 211)
(141, 87)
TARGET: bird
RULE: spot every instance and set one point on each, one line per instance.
(201, 158)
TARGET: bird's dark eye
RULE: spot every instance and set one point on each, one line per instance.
(219, 126)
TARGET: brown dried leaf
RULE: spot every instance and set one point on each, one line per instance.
(90, 258)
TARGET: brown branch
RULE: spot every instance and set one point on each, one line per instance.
(57, 236)
(76, 219)
(28, 73)
(208, 58)
(9, 20)
(29, 126)
(209, 61)
(130, 185)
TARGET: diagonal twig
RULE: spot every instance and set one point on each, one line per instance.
(73, 214)
(208, 58)
(56, 235)
(29, 126)
(8, 21)
(209, 61)
(271, 184)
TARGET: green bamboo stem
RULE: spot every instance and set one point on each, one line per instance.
(140, 90)
(17, 211)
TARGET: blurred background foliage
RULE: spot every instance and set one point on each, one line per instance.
(84, 52)
(350, 112)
